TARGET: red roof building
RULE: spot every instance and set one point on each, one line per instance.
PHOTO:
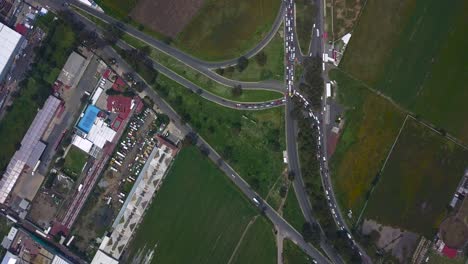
(106, 74)
(449, 252)
(118, 85)
(119, 104)
(22, 29)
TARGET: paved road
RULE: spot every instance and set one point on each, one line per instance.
(108, 52)
(316, 48)
(173, 51)
(282, 226)
(201, 67)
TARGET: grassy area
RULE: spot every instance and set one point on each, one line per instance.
(268, 64)
(258, 245)
(345, 15)
(35, 88)
(305, 14)
(292, 212)
(435, 258)
(198, 212)
(117, 8)
(227, 29)
(292, 254)
(241, 137)
(371, 126)
(416, 49)
(376, 35)
(418, 181)
(74, 161)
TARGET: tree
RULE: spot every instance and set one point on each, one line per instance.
(113, 32)
(237, 90)
(291, 175)
(310, 232)
(242, 63)
(220, 71)
(139, 86)
(261, 58)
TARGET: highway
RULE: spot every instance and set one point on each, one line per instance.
(282, 226)
(317, 48)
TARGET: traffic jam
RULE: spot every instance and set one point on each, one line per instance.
(290, 48)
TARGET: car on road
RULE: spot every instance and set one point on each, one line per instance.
(256, 200)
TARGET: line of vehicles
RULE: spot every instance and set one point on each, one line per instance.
(290, 48)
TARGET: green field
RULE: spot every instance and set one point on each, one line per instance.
(117, 8)
(227, 29)
(35, 88)
(305, 14)
(74, 161)
(418, 181)
(198, 215)
(251, 141)
(292, 212)
(292, 254)
(371, 126)
(273, 69)
(417, 47)
(258, 245)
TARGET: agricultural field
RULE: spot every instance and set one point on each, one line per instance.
(418, 181)
(258, 245)
(198, 212)
(305, 14)
(345, 15)
(268, 64)
(241, 137)
(371, 126)
(292, 254)
(417, 49)
(292, 212)
(166, 17)
(117, 8)
(74, 161)
(227, 29)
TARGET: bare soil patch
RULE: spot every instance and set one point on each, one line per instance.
(166, 17)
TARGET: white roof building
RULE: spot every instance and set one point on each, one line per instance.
(10, 43)
(100, 133)
(82, 143)
(103, 258)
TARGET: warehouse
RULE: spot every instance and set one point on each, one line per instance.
(10, 43)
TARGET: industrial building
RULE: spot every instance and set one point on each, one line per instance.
(27, 157)
(10, 44)
(72, 70)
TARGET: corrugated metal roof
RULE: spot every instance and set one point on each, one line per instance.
(9, 40)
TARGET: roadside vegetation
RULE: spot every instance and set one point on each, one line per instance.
(292, 212)
(199, 78)
(258, 245)
(268, 64)
(292, 254)
(36, 86)
(418, 181)
(312, 87)
(198, 212)
(305, 15)
(310, 169)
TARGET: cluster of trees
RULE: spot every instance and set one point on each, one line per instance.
(242, 63)
(310, 168)
(313, 86)
(138, 59)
